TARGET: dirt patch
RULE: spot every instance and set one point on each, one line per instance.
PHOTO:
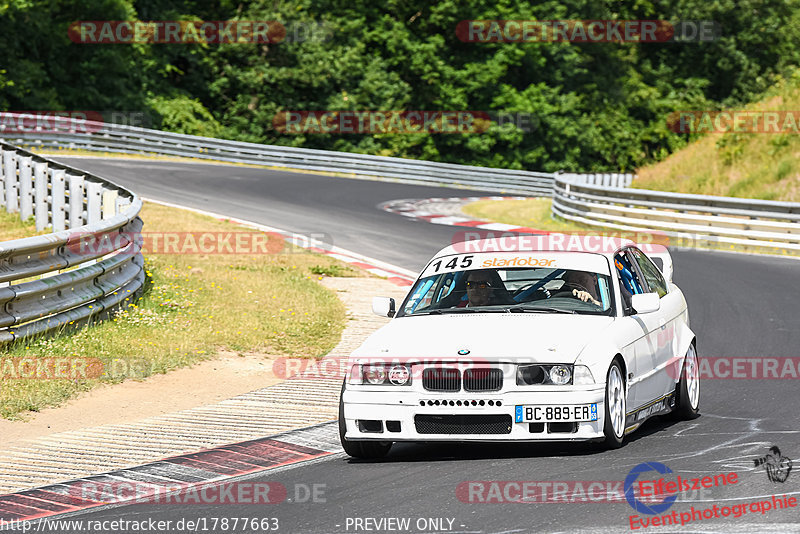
(204, 383)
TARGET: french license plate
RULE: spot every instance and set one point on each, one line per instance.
(556, 413)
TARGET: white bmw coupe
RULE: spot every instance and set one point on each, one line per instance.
(532, 338)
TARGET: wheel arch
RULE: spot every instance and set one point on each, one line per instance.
(623, 367)
(686, 338)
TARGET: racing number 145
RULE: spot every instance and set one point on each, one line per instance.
(466, 261)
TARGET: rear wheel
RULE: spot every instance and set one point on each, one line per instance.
(360, 449)
(687, 391)
(616, 405)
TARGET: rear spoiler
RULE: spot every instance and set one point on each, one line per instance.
(661, 257)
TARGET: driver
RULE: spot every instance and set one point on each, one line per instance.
(583, 286)
(485, 288)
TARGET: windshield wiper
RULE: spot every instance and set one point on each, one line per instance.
(443, 311)
(521, 309)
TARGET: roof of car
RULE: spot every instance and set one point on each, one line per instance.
(555, 242)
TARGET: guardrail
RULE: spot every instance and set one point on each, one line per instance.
(98, 136)
(760, 224)
(608, 179)
(594, 199)
(60, 278)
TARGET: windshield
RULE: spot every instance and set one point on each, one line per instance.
(516, 290)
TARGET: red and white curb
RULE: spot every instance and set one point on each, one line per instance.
(421, 209)
(393, 273)
(182, 474)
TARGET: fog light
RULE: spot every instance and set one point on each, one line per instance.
(399, 375)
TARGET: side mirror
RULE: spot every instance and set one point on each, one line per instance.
(645, 302)
(383, 306)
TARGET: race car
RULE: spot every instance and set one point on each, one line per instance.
(531, 338)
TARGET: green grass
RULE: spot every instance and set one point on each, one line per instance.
(339, 271)
(531, 212)
(12, 227)
(195, 306)
(747, 165)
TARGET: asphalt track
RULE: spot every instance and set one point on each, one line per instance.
(740, 306)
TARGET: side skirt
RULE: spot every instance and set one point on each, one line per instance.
(660, 406)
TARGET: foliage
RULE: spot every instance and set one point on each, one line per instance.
(596, 106)
(749, 165)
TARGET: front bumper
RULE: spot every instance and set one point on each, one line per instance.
(394, 405)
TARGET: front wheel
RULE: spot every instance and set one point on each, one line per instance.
(687, 403)
(616, 404)
(360, 449)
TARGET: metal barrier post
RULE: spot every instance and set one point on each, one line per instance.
(10, 172)
(58, 199)
(75, 200)
(25, 184)
(40, 195)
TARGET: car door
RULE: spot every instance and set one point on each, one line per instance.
(637, 335)
(661, 325)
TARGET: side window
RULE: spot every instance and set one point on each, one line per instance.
(627, 274)
(651, 273)
(422, 296)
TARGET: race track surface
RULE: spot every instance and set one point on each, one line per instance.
(740, 306)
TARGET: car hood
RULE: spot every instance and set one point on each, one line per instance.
(545, 338)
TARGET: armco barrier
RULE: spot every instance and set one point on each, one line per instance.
(760, 224)
(98, 136)
(602, 200)
(49, 281)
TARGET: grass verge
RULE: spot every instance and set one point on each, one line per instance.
(529, 212)
(12, 227)
(746, 165)
(195, 306)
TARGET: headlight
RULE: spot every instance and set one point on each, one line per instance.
(375, 374)
(530, 375)
(398, 375)
(560, 374)
(534, 375)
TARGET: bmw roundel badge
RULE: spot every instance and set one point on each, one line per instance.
(463, 352)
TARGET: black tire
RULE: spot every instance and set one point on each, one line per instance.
(685, 408)
(613, 440)
(367, 450)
